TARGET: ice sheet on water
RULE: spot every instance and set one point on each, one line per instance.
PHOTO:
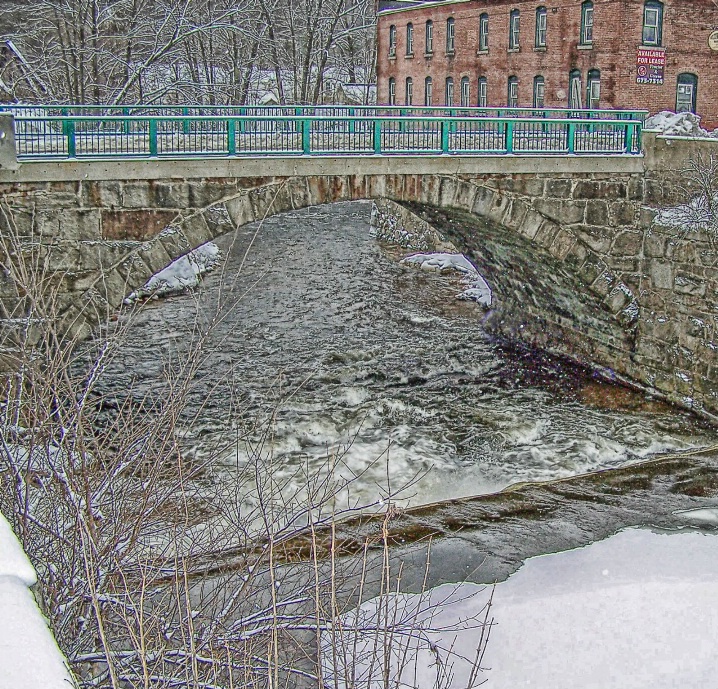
(637, 610)
(477, 289)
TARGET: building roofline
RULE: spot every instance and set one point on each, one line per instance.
(417, 4)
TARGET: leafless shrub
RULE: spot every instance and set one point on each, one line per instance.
(155, 570)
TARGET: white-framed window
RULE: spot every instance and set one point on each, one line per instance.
(392, 91)
(465, 92)
(514, 25)
(450, 29)
(409, 92)
(541, 24)
(482, 97)
(429, 37)
(652, 23)
(409, 39)
(428, 91)
(484, 32)
(392, 40)
(512, 99)
(593, 89)
(574, 90)
(449, 92)
(539, 91)
(586, 37)
(686, 92)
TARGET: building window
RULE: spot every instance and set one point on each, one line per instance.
(586, 37)
(429, 38)
(514, 30)
(409, 39)
(450, 28)
(449, 91)
(392, 40)
(539, 90)
(593, 89)
(686, 92)
(484, 32)
(541, 27)
(428, 87)
(465, 92)
(513, 95)
(652, 23)
(409, 100)
(482, 99)
(574, 90)
(392, 91)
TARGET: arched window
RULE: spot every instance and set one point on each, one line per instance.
(514, 20)
(392, 91)
(686, 92)
(652, 23)
(482, 98)
(539, 91)
(450, 29)
(409, 39)
(465, 92)
(574, 90)
(586, 37)
(513, 92)
(449, 92)
(593, 89)
(409, 97)
(541, 23)
(428, 88)
(484, 32)
(429, 37)
(392, 40)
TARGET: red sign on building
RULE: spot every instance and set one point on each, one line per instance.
(650, 64)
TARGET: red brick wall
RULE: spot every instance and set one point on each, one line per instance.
(617, 33)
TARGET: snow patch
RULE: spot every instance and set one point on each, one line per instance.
(602, 616)
(477, 289)
(180, 275)
(678, 124)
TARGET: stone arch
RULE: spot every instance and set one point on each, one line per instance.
(264, 197)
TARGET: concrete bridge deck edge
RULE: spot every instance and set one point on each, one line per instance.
(196, 168)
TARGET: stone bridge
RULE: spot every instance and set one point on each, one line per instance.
(577, 264)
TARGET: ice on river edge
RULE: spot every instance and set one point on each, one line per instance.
(182, 274)
(638, 610)
(477, 289)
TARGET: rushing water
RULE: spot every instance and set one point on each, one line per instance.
(346, 353)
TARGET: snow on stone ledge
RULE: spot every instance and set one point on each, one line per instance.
(182, 274)
(29, 656)
(678, 124)
(477, 289)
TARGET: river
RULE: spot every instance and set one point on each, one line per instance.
(322, 349)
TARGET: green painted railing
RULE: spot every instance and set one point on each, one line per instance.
(124, 135)
(317, 111)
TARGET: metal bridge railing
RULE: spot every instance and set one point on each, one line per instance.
(128, 136)
(371, 111)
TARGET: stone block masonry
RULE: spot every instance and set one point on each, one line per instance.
(600, 282)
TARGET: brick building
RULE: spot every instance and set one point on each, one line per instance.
(551, 53)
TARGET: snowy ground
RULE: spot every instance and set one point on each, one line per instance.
(638, 610)
(29, 656)
(182, 274)
(477, 289)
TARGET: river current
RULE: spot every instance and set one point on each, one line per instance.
(326, 350)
